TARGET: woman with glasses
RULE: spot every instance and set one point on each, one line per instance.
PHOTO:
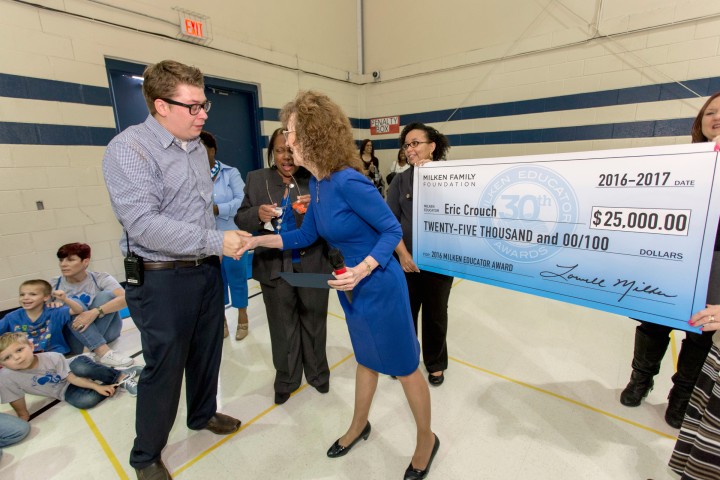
(348, 212)
(428, 290)
(275, 202)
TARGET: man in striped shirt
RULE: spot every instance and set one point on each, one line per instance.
(160, 188)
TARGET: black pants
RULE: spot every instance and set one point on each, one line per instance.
(431, 291)
(297, 318)
(179, 313)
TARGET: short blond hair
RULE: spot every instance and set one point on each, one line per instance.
(7, 339)
(38, 282)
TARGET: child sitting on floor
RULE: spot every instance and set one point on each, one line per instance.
(42, 324)
(50, 374)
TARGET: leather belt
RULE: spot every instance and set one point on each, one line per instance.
(175, 264)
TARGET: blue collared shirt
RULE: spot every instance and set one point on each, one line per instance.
(228, 194)
(161, 194)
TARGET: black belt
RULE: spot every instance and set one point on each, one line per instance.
(175, 264)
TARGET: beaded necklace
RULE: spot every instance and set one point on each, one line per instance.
(284, 204)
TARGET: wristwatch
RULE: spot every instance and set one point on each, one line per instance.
(100, 312)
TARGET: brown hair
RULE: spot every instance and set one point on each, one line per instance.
(162, 79)
(47, 288)
(323, 132)
(82, 250)
(7, 339)
(696, 131)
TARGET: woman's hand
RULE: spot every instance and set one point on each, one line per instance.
(707, 319)
(420, 163)
(304, 199)
(347, 281)
(83, 320)
(407, 263)
(267, 212)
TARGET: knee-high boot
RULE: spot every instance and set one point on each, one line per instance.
(649, 352)
(690, 362)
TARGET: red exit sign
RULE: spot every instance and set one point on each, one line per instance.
(193, 28)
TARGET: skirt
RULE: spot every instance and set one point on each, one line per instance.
(697, 451)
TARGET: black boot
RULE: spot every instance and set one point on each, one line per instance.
(693, 352)
(649, 351)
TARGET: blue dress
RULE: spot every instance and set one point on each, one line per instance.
(349, 213)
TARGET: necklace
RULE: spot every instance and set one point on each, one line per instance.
(284, 204)
(317, 191)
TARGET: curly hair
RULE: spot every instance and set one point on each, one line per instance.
(323, 131)
(441, 142)
(696, 131)
(162, 79)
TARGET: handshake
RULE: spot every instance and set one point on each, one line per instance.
(235, 243)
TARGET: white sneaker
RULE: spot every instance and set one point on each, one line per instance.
(114, 359)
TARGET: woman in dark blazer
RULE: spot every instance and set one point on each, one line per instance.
(275, 201)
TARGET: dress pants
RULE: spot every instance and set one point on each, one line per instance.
(297, 318)
(179, 313)
(431, 291)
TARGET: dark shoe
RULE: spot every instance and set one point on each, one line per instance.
(638, 388)
(323, 388)
(678, 401)
(221, 424)
(415, 474)
(154, 471)
(338, 450)
(436, 380)
(281, 397)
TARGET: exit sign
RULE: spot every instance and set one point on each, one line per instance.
(193, 27)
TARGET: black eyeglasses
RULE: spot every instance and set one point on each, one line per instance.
(412, 144)
(194, 109)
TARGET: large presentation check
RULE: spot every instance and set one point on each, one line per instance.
(630, 231)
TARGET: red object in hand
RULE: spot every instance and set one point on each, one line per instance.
(299, 206)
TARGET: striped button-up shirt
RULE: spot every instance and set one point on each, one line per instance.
(161, 194)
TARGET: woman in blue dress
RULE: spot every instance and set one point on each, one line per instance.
(350, 214)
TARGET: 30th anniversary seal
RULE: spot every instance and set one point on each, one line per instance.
(531, 201)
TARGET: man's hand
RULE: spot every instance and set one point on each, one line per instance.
(233, 243)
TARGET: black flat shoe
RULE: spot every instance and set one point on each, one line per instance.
(323, 388)
(281, 398)
(436, 380)
(415, 474)
(338, 450)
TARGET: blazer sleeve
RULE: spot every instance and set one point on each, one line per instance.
(246, 217)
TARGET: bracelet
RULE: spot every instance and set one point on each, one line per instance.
(100, 312)
(367, 265)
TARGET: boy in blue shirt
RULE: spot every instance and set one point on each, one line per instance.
(42, 325)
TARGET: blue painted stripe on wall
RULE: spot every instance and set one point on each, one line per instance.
(15, 86)
(273, 115)
(44, 134)
(658, 128)
(606, 98)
